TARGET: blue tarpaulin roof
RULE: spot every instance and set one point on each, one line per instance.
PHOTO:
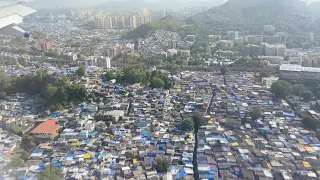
(182, 173)
(161, 152)
(70, 155)
(112, 165)
(37, 151)
(209, 176)
(147, 133)
(307, 139)
(42, 164)
(216, 135)
(143, 124)
(289, 115)
(213, 168)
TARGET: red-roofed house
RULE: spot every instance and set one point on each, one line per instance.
(46, 131)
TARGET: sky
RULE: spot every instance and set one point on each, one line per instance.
(84, 3)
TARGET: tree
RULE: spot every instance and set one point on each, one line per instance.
(3, 95)
(316, 91)
(198, 121)
(286, 58)
(38, 65)
(16, 162)
(298, 89)
(157, 82)
(24, 155)
(53, 54)
(163, 164)
(255, 113)
(307, 95)
(224, 70)
(178, 106)
(281, 89)
(81, 71)
(50, 92)
(187, 125)
(172, 68)
(27, 143)
(51, 173)
(109, 75)
(14, 129)
(310, 122)
(264, 74)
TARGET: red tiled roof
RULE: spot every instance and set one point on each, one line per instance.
(49, 126)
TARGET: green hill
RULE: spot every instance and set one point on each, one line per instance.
(285, 15)
(168, 23)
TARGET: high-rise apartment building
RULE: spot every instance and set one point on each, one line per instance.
(269, 28)
(122, 20)
(281, 50)
(45, 46)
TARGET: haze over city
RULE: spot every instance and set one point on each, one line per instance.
(160, 90)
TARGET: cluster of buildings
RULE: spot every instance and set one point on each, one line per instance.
(124, 130)
(163, 44)
(115, 140)
(270, 46)
(122, 20)
(113, 50)
(275, 145)
(265, 50)
(71, 45)
(305, 57)
(98, 61)
(299, 73)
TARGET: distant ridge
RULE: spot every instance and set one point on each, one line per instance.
(122, 5)
(245, 14)
(167, 23)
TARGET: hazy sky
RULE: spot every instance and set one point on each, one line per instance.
(84, 3)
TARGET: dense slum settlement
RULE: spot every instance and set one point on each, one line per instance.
(235, 144)
(132, 132)
(125, 136)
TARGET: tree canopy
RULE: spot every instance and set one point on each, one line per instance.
(14, 128)
(224, 70)
(281, 89)
(187, 125)
(198, 121)
(53, 54)
(109, 76)
(140, 74)
(16, 162)
(310, 122)
(157, 82)
(255, 113)
(51, 173)
(27, 143)
(81, 71)
(307, 95)
(55, 91)
(163, 164)
(298, 89)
